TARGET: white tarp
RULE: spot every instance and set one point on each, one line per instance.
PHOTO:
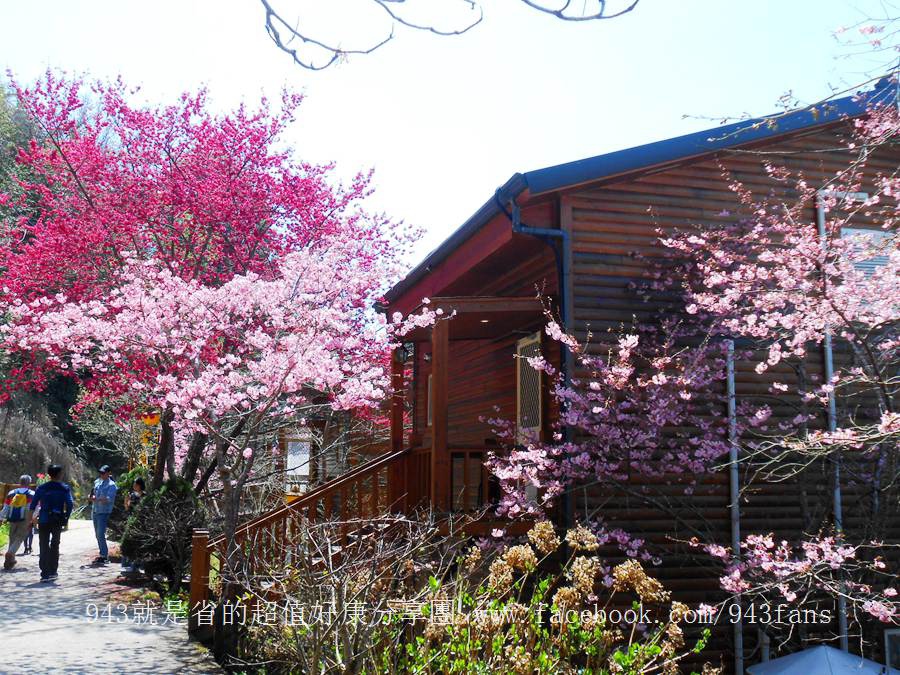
(820, 660)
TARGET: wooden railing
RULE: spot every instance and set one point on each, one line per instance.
(384, 484)
(417, 479)
(395, 482)
(469, 479)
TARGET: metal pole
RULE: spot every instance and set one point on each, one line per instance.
(734, 506)
(832, 426)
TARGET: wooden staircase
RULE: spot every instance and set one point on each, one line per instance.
(361, 503)
(395, 482)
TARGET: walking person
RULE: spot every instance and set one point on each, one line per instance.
(103, 497)
(29, 538)
(53, 501)
(15, 511)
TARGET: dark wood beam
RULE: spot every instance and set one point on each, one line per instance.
(440, 452)
(397, 489)
(481, 245)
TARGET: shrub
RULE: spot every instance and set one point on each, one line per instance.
(158, 533)
(424, 603)
(524, 609)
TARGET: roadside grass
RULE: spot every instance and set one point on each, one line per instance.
(4, 535)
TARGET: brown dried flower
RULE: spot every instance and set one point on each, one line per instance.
(543, 537)
(471, 559)
(434, 631)
(674, 639)
(583, 573)
(521, 558)
(566, 598)
(518, 660)
(678, 611)
(501, 575)
(582, 539)
(630, 575)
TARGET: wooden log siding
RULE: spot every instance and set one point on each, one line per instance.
(482, 373)
(612, 222)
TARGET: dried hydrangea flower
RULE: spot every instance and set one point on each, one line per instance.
(583, 573)
(543, 537)
(521, 558)
(566, 598)
(630, 575)
(471, 559)
(582, 539)
(501, 575)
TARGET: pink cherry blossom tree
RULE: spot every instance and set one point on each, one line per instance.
(122, 202)
(795, 289)
(644, 406)
(232, 362)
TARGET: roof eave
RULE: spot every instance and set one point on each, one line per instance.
(514, 187)
(626, 161)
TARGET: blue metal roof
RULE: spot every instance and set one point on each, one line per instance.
(641, 157)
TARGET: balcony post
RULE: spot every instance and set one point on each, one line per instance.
(199, 576)
(440, 453)
(397, 487)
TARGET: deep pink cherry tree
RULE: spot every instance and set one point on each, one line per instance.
(162, 203)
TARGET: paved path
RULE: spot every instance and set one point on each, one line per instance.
(45, 628)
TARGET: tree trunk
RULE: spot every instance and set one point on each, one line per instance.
(226, 633)
(194, 455)
(166, 446)
(204, 479)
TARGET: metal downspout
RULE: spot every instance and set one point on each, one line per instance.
(559, 240)
(832, 413)
(734, 491)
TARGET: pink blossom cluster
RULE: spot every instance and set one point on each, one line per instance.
(818, 564)
(768, 276)
(626, 416)
(211, 353)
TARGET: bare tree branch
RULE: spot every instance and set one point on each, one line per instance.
(315, 53)
(590, 11)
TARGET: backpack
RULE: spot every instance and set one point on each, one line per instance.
(17, 505)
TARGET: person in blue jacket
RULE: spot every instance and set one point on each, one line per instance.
(103, 497)
(53, 502)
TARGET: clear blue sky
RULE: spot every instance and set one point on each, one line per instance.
(443, 121)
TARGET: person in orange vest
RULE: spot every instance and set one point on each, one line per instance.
(15, 511)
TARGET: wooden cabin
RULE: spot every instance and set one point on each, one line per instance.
(569, 234)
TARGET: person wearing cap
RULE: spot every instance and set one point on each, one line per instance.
(103, 498)
(15, 511)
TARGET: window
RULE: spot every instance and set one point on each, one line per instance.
(875, 239)
(298, 451)
(528, 388)
(892, 648)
